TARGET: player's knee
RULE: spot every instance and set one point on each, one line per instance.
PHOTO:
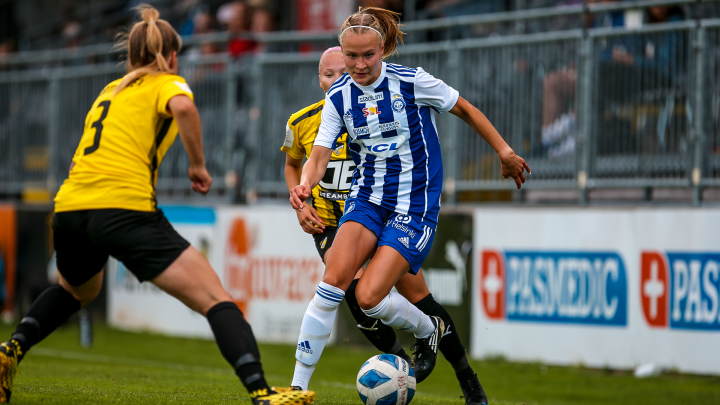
(337, 280)
(366, 298)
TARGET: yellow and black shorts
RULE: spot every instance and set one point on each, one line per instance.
(324, 240)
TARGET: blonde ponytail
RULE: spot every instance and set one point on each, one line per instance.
(149, 45)
(385, 22)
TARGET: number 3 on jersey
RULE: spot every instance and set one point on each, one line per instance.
(98, 127)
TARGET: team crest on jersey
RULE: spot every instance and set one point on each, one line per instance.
(398, 104)
(338, 150)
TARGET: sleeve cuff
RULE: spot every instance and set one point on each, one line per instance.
(453, 100)
(289, 151)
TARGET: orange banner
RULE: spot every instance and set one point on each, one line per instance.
(8, 250)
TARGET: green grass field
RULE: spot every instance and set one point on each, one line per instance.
(125, 368)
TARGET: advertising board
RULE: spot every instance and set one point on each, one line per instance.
(602, 287)
(264, 260)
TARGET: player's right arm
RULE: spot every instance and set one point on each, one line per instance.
(188, 122)
(313, 172)
(331, 127)
(308, 218)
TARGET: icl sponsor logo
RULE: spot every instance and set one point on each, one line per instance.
(557, 287)
(680, 290)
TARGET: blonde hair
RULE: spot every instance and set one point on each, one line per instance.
(386, 22)
(149, 45)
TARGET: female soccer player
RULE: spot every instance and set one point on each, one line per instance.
(391, 213)
(107, 207)
(320, 220)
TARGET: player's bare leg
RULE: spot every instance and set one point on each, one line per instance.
(353, 246)
(375, 297)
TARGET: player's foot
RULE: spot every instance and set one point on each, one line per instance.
(425, 351)
(9, 352)
(473, 391)
(289, 397)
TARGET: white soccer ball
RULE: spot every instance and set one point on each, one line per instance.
(386, 379)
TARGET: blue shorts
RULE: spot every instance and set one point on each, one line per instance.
(405, 233)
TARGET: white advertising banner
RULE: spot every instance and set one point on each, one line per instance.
(598, 286)
(265, 261)
(270, 267)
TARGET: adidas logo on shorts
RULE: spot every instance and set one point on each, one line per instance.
(405, 241)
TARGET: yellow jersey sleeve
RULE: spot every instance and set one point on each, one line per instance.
(173, 86)
(292, 145)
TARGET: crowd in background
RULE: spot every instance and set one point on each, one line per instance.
(72, 23)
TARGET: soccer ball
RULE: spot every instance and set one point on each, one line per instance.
(386, 379)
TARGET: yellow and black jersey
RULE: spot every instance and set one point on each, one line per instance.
(330, 195)
(122, 146)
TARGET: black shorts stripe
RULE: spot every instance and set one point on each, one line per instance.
(307, 115)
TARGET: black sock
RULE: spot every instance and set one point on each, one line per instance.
(237, 344)
(380, 335)
(51, 309)
(450, 345)
(463, 369)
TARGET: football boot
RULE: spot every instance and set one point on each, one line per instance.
(425, 351)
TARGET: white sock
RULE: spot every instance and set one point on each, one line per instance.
(301, 377)
(315, 330)
(396, 311)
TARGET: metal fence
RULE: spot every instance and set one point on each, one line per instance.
(587, 109)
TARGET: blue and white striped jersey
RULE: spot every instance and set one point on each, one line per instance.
(393, 137)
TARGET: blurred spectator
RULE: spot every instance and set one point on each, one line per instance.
(71, 34)
(262, 21)
(200, 21)
(645, 61)
(235, 18)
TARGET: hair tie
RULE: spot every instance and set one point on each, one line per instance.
(157, 55)
(151, 22)
(362, 26)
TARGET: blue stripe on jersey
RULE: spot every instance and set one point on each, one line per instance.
(393, 165)
(358, 119)
(385, 107)
(340, 82)
(417, 148)
(401, 68)
(400, 73)
(435, 169)
(337, 102)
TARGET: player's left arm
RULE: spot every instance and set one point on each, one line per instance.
(512, 165)
(188, 121)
